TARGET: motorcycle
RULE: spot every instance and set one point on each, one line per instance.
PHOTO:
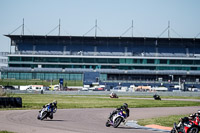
(156, 97)
(46, 112)
(113, 95)
(116, 119)
(187, 126)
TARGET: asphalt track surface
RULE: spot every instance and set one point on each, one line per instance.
(81, 120)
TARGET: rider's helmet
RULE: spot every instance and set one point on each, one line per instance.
(54, 102)
(191, 116)
(198, 112)
(125, 106)
(111, 94)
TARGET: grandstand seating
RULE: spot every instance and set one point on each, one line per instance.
(103, 48)
(127, 59)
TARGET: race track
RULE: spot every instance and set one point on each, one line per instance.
(80, 120)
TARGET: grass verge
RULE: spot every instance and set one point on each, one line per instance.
(6, 132)
(167, 121)
(36, 101)
(166, 97)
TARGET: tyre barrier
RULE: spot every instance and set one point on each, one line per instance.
(12, 102)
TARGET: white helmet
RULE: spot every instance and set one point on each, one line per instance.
(198, 112)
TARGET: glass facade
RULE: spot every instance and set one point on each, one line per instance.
(41, 76)
(105, 63)
(113, 53)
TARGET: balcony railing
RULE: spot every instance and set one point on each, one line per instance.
(82, 53)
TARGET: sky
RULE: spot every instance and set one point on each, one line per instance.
(150, 18)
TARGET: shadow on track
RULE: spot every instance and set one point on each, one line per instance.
(146, 128)
(127, 128)
(53, 120)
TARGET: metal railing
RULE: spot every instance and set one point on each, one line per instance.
(81, 53)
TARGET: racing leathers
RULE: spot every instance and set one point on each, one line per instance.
(117, 110)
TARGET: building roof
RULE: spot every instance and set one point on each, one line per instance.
(96, 38)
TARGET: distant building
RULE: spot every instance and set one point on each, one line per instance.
(3, 60)
(105, 59)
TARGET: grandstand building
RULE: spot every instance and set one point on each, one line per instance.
(105, 59)
(3, 60)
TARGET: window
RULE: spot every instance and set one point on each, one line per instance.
(88, 60)
(189, 62)
(25, 75)
(101, 60)
(172, 61)
(76, 60)
(163, 61)
(197, 62)
(64, 60)
(103, 77)
(38, 59)
(13, 75)
(129, 61)
(40, 76)
(51, 59)
(14, 59)
(150, 61)
(139, 61)
(26, 59)
(75, 76)
(113, 61)
(122, 61)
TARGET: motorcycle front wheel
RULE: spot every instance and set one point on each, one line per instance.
(117, 122)
(194, 130)
(108, 123)
(38, 117)
(44, 115)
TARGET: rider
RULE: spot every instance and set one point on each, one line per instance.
(124, 107)
(113, 95)
(195, 115)
(186, 119)
(198, 113)
(53, 106)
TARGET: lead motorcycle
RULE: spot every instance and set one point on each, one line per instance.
(113, 95)
(187, 125)
(156, 97)
(116, 119)
(46, 112)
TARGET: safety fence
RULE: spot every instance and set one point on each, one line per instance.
(179, 93)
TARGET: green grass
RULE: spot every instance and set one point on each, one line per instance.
(36, 101)
(167, 121)
(166, 97)
(6, 132)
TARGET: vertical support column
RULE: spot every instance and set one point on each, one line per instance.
(169, 29)
(95, 28)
